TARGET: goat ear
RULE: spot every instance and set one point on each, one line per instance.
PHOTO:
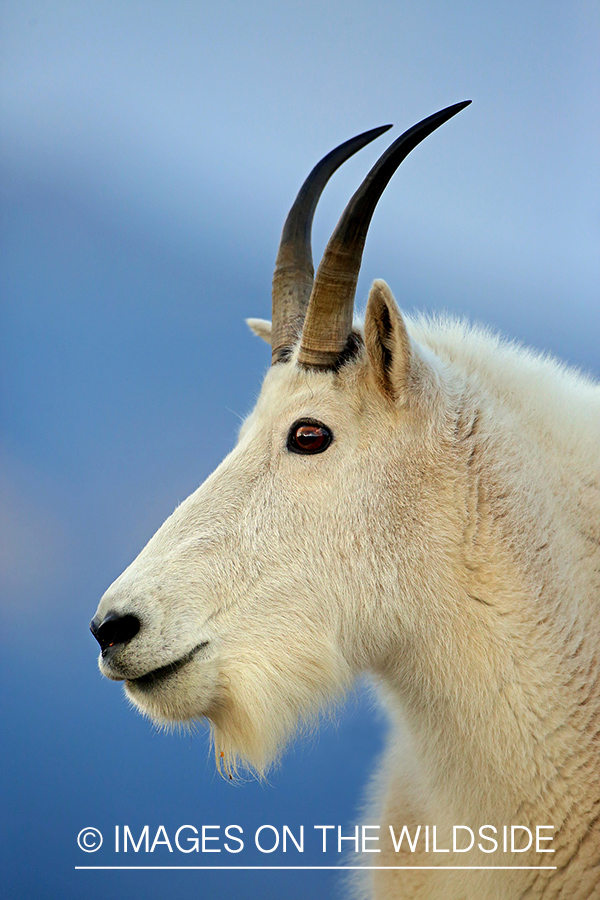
(388, 344)
(260, 327)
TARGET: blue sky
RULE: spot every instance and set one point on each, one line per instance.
(150, 152)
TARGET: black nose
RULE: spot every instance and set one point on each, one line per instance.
(114, 629)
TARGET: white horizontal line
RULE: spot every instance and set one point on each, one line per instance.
(311, 868)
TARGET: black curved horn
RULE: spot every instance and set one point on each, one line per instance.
(328, 320)
(293, 276)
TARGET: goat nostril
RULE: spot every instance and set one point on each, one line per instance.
(115, 629)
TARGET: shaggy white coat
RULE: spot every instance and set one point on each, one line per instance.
(448, 542)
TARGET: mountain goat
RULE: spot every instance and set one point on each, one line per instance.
(415, 499)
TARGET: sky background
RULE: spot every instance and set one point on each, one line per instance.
(149, 154)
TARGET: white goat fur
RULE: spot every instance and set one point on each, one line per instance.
(448, 542)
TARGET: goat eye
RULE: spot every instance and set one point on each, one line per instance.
(307, 436)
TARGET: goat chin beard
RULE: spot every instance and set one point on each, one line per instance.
(245, 742)
(252, 711)
(177, 698)
(261, 704)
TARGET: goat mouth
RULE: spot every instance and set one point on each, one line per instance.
(163, 672)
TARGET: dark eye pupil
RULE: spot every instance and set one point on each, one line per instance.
(309, 437)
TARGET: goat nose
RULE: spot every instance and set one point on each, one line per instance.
(114, 629)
